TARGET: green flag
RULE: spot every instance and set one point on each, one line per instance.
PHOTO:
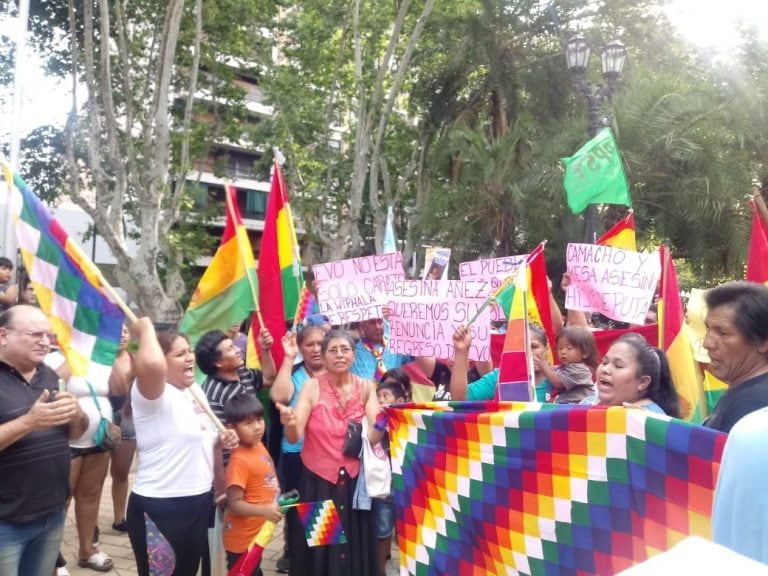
(594, 174)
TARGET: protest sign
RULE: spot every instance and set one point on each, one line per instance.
(617, 283)
(423, 315)
(436, 263)
(353, 290)
(493, 271)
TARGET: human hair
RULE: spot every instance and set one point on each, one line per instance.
(242, 407)
(398, 381)
(6, 318)
(652, 362)
(307, 330)
(750, 304)
(166, 338)
(334, 335)
(582, 339)
(207, 351)
(6, 263)
(538, 333)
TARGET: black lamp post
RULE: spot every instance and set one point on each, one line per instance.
(598, 96)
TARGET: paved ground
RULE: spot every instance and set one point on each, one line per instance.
(119, 548)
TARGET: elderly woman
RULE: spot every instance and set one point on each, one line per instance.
(326, 406)
(176, 442)
(737, 343)
(634, 374)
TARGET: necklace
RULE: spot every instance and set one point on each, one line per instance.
(377, 350)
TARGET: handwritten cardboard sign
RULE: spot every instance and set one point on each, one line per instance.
(353, 290)
(617, 283)
(493, 271)
(425, 313)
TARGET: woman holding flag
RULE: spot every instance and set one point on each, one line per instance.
(175, 442)
(328, 407)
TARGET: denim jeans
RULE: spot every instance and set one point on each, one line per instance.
(30, 548)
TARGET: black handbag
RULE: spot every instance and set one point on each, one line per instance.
(353, 440)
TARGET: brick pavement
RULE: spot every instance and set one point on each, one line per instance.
(119, 548)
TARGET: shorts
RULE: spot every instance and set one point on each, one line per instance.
(127, 428)
(383, 516)
(77, 452)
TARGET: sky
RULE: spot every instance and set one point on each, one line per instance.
(706, 23)
(713, 23)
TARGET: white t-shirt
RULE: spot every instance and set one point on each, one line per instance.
(174, 440)
(79, 387)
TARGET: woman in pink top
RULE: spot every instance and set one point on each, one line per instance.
(325, 407)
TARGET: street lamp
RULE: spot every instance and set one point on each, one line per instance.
(612, 58)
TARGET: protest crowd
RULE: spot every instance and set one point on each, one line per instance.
(239, 424)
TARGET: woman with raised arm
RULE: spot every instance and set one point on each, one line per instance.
(175, 444)
(286, 388)
(330, 465)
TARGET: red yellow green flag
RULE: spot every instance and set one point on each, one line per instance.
(280, 276)
(228, 290)
(675, 342)
(621, 235)
(537, 295)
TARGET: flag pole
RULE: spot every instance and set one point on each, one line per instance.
(490, 299)
(254, 291)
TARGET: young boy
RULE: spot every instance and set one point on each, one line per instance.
(391, 390)
(8, 292)
(252, 486)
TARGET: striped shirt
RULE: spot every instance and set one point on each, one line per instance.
(219, 391)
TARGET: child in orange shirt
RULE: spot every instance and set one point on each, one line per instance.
(252, 485)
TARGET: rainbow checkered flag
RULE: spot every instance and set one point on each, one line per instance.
(162, 559)
(489, 488)
(321, 522)
(68, 286)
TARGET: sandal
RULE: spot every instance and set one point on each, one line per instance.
(99, 561)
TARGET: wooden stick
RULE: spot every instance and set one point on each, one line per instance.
(199, 398)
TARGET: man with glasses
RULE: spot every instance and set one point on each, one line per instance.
(36, 421)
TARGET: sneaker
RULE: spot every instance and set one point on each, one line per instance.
(283, 565)
(96, 537)
(121, 526)
(62, 571)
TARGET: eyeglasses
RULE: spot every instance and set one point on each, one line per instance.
(337, 351)
(37, 336)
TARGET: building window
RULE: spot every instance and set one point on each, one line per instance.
(252, 204)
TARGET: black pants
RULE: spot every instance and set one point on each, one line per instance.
(290, 478)
(182, 521)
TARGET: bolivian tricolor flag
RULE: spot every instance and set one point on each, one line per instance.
(280, 276)
(537, 295)
(621, 235)
(674, 341)
(228, 290)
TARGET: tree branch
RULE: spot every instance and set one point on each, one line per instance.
(112, 194)
(178, 188)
